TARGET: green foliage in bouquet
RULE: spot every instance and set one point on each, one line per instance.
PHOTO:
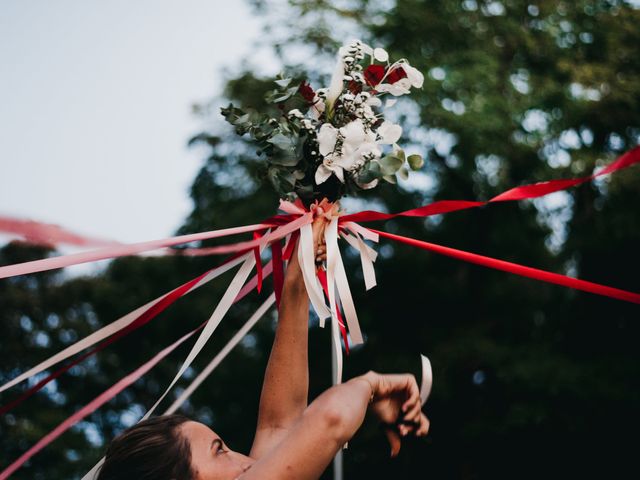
(331, 142)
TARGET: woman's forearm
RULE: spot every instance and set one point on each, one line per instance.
(286, 381)
(325, 426)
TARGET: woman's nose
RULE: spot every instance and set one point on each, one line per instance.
(242, 460)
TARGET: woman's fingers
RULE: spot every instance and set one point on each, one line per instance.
(394, 440)
(321, 254)
(423, 429)
(412, 392)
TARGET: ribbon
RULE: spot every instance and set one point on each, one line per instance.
(367, 257)
(48, 234)
(120, 251)
(330, 238)
(306, 259)
(133, 377)
(278, 272)
(285, 229)
(322, 275)
(93, 405)
(347, 301)
(426, 379)
(518, 193)
(257, 251)
(146, 312)
(184, 396)
(213, 322)
(519, 269)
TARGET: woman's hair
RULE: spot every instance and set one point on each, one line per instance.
(152, 449)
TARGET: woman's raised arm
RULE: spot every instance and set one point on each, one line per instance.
(286, 382)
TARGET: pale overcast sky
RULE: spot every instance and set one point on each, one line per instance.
(95, 107)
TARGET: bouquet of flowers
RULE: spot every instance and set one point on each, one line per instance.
(334, 141)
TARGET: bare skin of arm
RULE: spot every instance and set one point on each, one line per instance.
(296, 441)
(334, 417)
(285, 389)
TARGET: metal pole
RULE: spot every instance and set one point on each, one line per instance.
(337, 460)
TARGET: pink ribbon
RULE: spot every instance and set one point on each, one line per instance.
(93, 405)
(120, 251)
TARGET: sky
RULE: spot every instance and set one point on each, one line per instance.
(96, 108)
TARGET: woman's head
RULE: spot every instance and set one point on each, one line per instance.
(171, 447)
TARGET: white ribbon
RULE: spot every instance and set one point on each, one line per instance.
(365, 232)
(93, 473)
(427, 379)
(352, 239)
(306, 259)
(333, 253)
(184, 396)
(112, 328)
(367, 256)
(337, 352)
(213, 322)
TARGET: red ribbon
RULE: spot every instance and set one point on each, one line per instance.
(519, 193)
(142, 320)
(322, 276)
(256, 252)
(278, 272)
(518, 269)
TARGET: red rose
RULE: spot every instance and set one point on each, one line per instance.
(395, 75)
(373, 74)
(307, 92)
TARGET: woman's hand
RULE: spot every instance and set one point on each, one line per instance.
(396, 403)
(319, 244)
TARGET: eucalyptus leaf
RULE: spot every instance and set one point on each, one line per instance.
(284, 159)
(283, 142)
(280, 97)
(390, 164)
(284, 82)
(242, 119)
(370, 172)
(415, 162)
(390, 178)
(287, 179)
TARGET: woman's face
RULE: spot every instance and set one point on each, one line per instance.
(211, 459)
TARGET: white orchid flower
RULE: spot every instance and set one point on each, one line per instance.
(328, 167)
(327, 137)
(401, 87)
(414, 75)
(414, 79)
(355, 134)
(389, 133)
(357, 142)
